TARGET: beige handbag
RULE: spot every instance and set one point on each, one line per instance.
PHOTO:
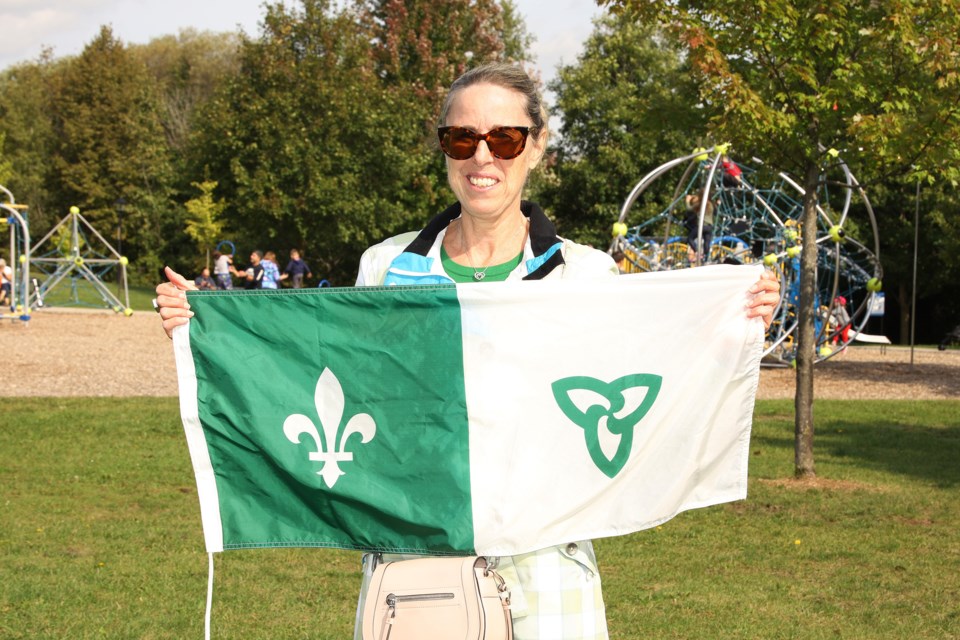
(437, 599)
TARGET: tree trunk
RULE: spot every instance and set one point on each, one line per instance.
(904, 302)
(806, 332)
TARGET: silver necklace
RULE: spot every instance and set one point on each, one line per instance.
(478, 274)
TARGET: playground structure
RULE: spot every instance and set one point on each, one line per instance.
(77, 253)
(753, 223)
(14, 221)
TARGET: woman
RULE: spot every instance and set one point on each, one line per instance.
(271, 271)
(493, 132)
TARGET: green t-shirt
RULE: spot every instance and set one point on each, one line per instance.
(494, 273)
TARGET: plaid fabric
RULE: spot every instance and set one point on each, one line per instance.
(554, 593)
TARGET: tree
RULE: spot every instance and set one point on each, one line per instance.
(26, 101)
(427, 44)
(111, 145)
(204, 224)
(323, 140)
(187, 71)
(628, 104)
(300, 141)
(6, 166)
(516, 39)
(938, 293)
(793, 80)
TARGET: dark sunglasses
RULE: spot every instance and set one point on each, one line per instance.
(504, 143)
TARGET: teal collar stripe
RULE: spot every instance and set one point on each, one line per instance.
(543, 239)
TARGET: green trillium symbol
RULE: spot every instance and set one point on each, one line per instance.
(617, 407)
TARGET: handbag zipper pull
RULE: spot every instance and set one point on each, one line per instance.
(389, 615)
(393, 599)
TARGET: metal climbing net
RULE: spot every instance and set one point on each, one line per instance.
(73, 253)
(722, 211)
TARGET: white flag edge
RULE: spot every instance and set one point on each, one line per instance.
(197, 441)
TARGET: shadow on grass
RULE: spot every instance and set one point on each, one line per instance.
(913, 439)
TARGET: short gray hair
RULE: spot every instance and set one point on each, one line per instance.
(508, 76)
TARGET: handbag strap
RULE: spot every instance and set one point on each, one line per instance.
(507, 618)
(387, 625)
(490, 569)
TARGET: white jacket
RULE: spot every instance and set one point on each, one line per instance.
(414, 257)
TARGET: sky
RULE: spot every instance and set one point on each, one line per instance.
(559, 26)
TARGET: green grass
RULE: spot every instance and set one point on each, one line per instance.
(81, 293)
(873, 553)
(100, 537)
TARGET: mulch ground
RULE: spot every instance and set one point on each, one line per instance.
(94, 353)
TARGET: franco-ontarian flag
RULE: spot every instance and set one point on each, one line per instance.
(496, 419)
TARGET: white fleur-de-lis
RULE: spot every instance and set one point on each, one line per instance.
(329, 401)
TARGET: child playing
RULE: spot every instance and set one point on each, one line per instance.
(296, 269)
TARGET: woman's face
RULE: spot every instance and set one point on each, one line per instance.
(485, 186)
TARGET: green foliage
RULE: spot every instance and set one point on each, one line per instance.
(332, 153)
(516, 39)
(105, 126)
(88, 130)
(322, 139)
(628, 105)
(26, 92)
(877, 81)
(6, 165)
(187, 71)
(938, 270)
(301, 142)
(203, 223)
(62, 241)
(318, 131)
(102, 538)
(427, 44)
(111, 145)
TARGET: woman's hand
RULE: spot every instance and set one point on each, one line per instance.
(766, 297)
(171, 300)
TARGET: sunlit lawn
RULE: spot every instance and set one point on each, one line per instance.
(78, 292)
(100, 537)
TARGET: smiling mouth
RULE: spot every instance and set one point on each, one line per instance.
(482, 182)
